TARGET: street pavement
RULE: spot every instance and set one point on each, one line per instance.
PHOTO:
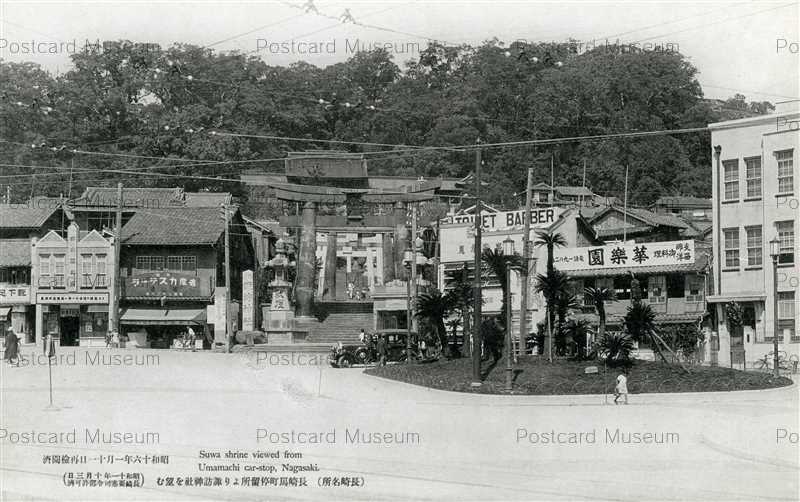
(717, 446)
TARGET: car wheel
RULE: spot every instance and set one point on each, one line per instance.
(345, 362)
(362, 356)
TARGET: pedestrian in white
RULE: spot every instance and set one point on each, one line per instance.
(362, 336)
(621, 389)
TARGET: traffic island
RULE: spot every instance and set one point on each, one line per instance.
(537, 376)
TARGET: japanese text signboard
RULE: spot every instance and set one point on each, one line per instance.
(645, 254)
(160, 284)
(15, 294)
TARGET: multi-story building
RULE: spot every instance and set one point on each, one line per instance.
(72, 276)
(172, 272)
(755, 201)
(18, 225)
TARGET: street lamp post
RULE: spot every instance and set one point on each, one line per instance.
(775, 251)
(408, 256)
(508, 251)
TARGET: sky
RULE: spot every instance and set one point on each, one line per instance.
(749, 48)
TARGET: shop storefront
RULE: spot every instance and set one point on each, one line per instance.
(78, 319)
(16, 311)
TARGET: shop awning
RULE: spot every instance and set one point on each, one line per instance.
(163, 317)
(4, 311)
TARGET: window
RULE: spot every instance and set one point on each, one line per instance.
(153, 263)
(656, 288)
(731, 177)
(59, 270)
(100, 271)
(753, 174)
(786, 315)
(174, 263)
(786, 237)
(86, 270)
(731, 237)
(785, 168)
(189, 263)
(754, 246)
(676, 286)
(98, 221)
(156, 263)
(44, 265)
(622, 287)
(695, 284)
(143, 262)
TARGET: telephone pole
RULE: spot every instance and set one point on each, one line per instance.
(526, 260)
(113, 311)
(477, 297)
(228, 331)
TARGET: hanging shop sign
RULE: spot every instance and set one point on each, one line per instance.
(505, 220)
(76, 298)
(15, 294)
(161, 284)
(610, 256)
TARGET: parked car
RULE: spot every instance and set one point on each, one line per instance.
(344, 356)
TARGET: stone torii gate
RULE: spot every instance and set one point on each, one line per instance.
(392, 227)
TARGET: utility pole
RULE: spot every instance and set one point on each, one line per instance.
(113, 311)
(414, 264)
(476, 337)
(526, 260)
(228, 334)
(625, 210)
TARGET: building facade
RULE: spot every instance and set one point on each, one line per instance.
(71, 285)
(755, 200)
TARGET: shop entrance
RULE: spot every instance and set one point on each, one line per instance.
(70, 327)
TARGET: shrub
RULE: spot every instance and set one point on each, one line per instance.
(616, 349)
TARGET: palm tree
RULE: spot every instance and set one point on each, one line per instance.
(598, 297)
(499, 265)
(553, 285)
(578, 331)
(551, 241)
(460, 295)
(431, 309)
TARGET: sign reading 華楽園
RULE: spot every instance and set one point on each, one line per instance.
(509, 219)
(645, 254)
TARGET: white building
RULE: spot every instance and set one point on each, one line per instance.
(755, 199)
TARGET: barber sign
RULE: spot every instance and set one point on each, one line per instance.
(505, 220)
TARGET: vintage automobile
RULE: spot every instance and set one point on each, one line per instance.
(344, 356)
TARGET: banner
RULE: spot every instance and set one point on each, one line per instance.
(505, 220)
(645, 254)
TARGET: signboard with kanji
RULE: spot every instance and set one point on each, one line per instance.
(645, 254)
(15, 295)
(161, 284)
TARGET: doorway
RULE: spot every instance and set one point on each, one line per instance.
(70, 331)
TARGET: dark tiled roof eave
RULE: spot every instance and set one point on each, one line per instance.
(174, 227)
(15, 253)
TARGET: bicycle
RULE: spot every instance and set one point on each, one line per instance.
(784, 363)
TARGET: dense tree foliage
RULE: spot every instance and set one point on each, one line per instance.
(135, 99)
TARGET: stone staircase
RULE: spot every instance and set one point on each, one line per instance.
(342, 324)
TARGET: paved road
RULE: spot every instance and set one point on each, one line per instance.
(721, 446)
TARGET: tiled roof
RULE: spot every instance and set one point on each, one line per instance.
(25, 215)
(574, 191)
(206, 199)
(174, 226)
(132, 197)
(683, 201)
(15, 253)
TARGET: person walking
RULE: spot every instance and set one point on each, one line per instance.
(621, 389)
(192, 338)
(382, 350)
(362, 336)
(12, 346)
